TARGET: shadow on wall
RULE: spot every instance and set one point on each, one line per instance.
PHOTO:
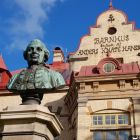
(57, 106)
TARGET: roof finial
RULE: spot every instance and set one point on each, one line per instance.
(111, 5)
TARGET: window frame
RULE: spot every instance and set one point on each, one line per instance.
(107, 68)
(116, 119)
(98, 120)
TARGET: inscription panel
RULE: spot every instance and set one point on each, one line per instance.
(110, 44)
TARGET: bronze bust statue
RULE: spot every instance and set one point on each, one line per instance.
(37, 78)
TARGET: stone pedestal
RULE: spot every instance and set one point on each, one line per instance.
(28, 122)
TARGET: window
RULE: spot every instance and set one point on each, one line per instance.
(112, 123)
(112, 30)
(123, 119)
(97, 120)
(111, 135)
(111, 119)
(109, 67)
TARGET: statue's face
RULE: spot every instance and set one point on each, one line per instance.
(35, 55)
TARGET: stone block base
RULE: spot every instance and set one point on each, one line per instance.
(28, 122)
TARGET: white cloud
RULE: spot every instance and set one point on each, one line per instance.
(27, 23)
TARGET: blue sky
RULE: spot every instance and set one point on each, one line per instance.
(56, 22)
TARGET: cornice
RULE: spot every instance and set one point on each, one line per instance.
(106, 77)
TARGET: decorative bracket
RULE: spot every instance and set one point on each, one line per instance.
(82, 86)
(135, 83)
(122, 84)
(95, 85)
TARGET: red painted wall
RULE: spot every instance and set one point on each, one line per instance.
(5, 77)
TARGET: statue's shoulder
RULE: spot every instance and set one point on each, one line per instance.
(14, 78)
(57, 78)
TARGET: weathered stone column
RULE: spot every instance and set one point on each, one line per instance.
(136, 105)
(28, 122)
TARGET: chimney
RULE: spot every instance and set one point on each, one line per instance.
(58, 55)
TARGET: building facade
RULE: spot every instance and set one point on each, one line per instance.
(101, 100)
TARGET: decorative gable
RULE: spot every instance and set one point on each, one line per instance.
(112, 34)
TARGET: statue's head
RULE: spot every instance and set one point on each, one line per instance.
(36, 53)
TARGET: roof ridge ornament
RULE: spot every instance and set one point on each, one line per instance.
(111, 5)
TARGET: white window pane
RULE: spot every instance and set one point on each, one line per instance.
(107, 117)
(100, 122)
(107, 121)
(112, 121)
(99, 117)
(120, 122)
(120, 117)
(95, 118)
(95, 122)
(126, 119)
(113, 117)
(123, 119)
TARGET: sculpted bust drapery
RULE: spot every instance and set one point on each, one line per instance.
(36, 79)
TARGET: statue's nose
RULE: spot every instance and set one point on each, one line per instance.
(34, 50)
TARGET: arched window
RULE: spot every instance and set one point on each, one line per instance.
(111, 119)
(109, 126)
